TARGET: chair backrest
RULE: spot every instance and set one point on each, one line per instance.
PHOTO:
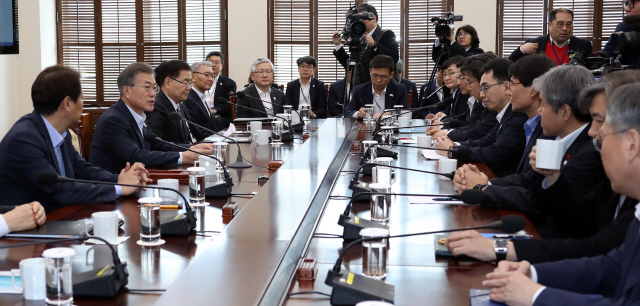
(281, 88)
(232, 99)
(410, 97)
(85, 134)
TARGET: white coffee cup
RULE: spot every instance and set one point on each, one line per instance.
(254, 126)
(169, 183)
(32, 277)
(261, 137)
(404, 122)
(447, 166)
(105, 225)
(549, 154)
(424, 141)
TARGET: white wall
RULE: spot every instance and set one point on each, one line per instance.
(248, 38)
(481, 14)
(37, 28)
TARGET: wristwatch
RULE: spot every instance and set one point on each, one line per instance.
(479, 187)
(501, 246)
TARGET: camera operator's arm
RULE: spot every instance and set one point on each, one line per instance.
(339, 52)
(530, 46)
(387, 45)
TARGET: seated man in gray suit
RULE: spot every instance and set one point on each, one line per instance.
(261, 90)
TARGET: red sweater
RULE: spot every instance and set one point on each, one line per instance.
(560, 52)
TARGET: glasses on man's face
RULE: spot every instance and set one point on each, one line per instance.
(148, 88)
(186, 84)
(511, 83)
(206, 74)
(599, 139)
(486, 86)
(444, 74)
(379, 77)
(461, 77)
(561, 24)
(306, 67)
(471, 81)
(630, 4)
(216, 63)
(263, 72)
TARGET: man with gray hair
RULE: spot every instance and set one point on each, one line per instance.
(119, 134)
(411, 86)
(613, 276)
(272, 99)
(197, 102)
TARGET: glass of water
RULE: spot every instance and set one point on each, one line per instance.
(369, 110)
(374, 252)
(287, 109)
(380, 202)
(58, 275)
(369, 148)
(276, 132)
(149, 220)
(196, 184)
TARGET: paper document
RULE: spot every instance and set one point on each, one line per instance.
(431, 154)
(230, 130)
(429, 200)
(407, 141)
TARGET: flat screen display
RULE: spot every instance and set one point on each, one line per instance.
(9, 27)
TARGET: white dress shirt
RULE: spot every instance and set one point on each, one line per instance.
(4, 227)
(266, 100)
(305, 97)
(501, 113)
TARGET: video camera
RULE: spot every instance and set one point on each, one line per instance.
(598, 65)
(443, 25)
(354, 28)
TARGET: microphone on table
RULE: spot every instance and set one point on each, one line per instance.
(440, 105)
(239, 163)
(296, 127)
(354, 288)
(101, 282)
(222, 190)
(353, 224)
(384, 152)
(453, 123)
(182, 225)
(284, 137)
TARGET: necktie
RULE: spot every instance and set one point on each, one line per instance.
(60, 160)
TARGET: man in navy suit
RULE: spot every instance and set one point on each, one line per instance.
(261, 99)
(336, 93)
(502, 148)
(426, 90)
(222, 87)
(615, 276)
(197, 102)
(379, 92)
(558, 43)
(39, 143)
(410, 86)
(307, 90)
(119, 134)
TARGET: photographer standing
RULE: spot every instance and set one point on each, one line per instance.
(375, 41)
(628, 57)
(465, 43)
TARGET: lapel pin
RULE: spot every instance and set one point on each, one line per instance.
(391, 95)
(565, 162)
(314, 85)
(274, 98)
(220, 84)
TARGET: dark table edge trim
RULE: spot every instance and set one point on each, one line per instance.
(276, 291)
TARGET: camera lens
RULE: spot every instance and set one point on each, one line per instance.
(358, 28)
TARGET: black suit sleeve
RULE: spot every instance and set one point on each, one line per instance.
(474, 131)
(455, 49)
(321, 101)
(517, 54)
(342, 57)
(387, 45)
(242, 112)
(157, 122)
(334, 98)
(354, 105)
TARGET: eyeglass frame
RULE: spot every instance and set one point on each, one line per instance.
(597, 143)
(155, 88)
(444, 74)
(485, 87)
(263, 72)
(206, 75)
(306, 67)
(569, 25)
(187, 84)
(380, 77)
(630, 4)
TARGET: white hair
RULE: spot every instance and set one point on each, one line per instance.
(258, 61)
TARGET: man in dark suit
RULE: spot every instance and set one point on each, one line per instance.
(502, 148)
(39, 142)
(261, 90)
(118, 138)
(376, 41)
(379, 92)
(558, 43)
(307, 90)
(197, 102)
(21, 217)
(222, 87)
(481, 121)
(425, 91)
(336, 93)
(175, 81)
(472, 106)
(615, 276)
(599, 217)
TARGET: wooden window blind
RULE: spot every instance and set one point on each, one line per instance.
(100, 38)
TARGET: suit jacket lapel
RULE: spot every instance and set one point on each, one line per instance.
(390, 96)
(42, 128)
(532, 140)
(312, 92)
(124, 110)
(296, 94)
(504, 119)
(573, 148)
(66, 156)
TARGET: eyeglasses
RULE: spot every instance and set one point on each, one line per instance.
(514, 83)
(444, 74)
(263, 72)
(186, 84)
(215, 63)
(561, 24)
(630, 4)
(206, 75)
(485, 87)
(461, 77)
(599, 139)
(470, 81)
(379, 77)
(148, 88)
(305, 67)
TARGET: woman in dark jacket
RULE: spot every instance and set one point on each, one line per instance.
(465, 43)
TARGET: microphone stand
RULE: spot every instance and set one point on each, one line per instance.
(285, 137)
(298, 127)
(239, 163)
(221, 190)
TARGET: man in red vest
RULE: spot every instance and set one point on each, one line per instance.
(558, 43)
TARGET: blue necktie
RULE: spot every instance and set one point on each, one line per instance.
(60, 160)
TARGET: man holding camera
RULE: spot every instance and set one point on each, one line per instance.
(616, 48)
(375, 41)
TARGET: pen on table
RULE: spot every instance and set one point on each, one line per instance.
(504, 236)
(445, 199)
(165, 206)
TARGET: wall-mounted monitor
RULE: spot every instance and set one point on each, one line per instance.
(9, 27)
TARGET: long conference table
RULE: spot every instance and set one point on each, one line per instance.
(252, 259)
